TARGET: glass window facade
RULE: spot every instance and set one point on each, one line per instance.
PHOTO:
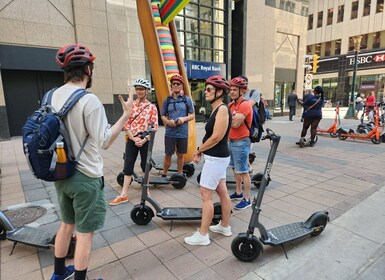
(330, 17)
(320, 18)
(366, 11)
(340, 16)
(354, 10)
(202, 29)
(310, 22)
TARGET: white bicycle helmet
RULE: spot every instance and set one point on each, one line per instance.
(143, 83)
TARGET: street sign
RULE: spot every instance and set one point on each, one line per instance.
(308, 81)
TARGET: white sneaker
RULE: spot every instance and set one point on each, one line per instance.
(197, 239)
(226, 231)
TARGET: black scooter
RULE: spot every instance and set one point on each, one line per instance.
(30, 236)
(142, 214)
(246, 247)
(306, 142)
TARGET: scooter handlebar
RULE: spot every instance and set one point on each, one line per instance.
(150, 128)
(269, 134)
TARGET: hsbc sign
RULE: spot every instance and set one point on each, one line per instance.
(367, 59)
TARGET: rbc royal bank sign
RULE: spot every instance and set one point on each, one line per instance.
(203, 70)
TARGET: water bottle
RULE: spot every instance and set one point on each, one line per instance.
(61, 160)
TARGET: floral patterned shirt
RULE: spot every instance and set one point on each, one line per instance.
(142, 114)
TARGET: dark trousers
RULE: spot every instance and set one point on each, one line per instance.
(131, 154)
(313, 124)
(292, 112)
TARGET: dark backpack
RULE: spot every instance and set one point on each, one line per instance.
(261, 110)
(43, 129)
(184, 100)
(256, 128)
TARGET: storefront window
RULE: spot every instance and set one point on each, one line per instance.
(219, 56)
(219, 29)
(219, 43)
(191, 25)
(206, 55)
(205, 41)
(191, 10)
(192, 53)
(192, 39)
(206, 13)
(219, 4)
(206, 27)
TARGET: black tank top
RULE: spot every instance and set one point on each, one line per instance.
(221, 149)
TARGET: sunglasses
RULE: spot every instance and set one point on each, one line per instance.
(209, 89)
(176, 84)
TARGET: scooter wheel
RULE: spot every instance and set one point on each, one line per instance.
(333, 135)
(217, 213)
(246, 247)
(188, 169)
(178, 181)
(199, 177)
(120, 179)
(256, 179)
(3, 233)
(71, 247)
(375, 141)
(141, 215)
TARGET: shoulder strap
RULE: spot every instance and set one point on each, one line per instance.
(47, 97)
(186, 103)
(313, 104)
(251, 92)
(167, 103)
(71, 101)
(140, 112)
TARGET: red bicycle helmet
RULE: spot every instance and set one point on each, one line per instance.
(74, 55)
(218, 82)
(178, 78)
(238, 82)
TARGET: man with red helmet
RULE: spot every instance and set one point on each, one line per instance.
(239, 141)
(81, 197)
(177, 110)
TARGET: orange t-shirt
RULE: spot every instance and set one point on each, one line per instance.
(242, 106)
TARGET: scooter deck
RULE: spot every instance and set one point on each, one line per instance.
(31, 236)
(154, 181)
(177, 213)
(282, 234)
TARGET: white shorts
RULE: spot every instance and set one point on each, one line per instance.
(214, 169)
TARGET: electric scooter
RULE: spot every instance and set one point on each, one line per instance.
(306, 142)
(177, 180)
(255, 179)
(246, 247)
(332, 130)
(374, 134)
(188, 168)
(30, 236)
(142, 214)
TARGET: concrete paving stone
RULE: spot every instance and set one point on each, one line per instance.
(32, 275)
(120, 209)
(285, 207)
(32, 195)
(24, 265)
(98, 241)
(213, 254)
(101, 257)
(153, 237)
(46, 257)
(178, 266)
(168, 250)
(308, 205)
(12, 201)
(313, 197)
(20, 251)
(112, 222)
(250, 276)
(117, 234)
(127, 247)
(204, 274)
(374, 267)
(232, 268)
(114, 270)
(139, 229)
(135, 265)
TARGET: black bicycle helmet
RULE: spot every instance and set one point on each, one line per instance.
(74, 55)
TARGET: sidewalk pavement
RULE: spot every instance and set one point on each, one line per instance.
(344, 177)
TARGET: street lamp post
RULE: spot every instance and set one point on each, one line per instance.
(357, 43)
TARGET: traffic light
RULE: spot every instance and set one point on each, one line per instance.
(315, 63)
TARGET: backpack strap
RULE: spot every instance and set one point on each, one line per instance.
(47, 97)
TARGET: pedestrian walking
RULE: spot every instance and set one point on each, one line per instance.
(359, 105)
(292, 99)
(312, 114)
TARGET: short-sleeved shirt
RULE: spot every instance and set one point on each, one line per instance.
(242, 106)
(177, 108)
(141, 116)
(253, 95)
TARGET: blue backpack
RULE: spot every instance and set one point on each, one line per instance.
(43, 129)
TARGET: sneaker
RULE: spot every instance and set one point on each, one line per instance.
(311, 144)
(119, 200)
(197, 239)
(226, 231)
(243, 204)
(70, 271)
(250, 170)
(235, 196)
